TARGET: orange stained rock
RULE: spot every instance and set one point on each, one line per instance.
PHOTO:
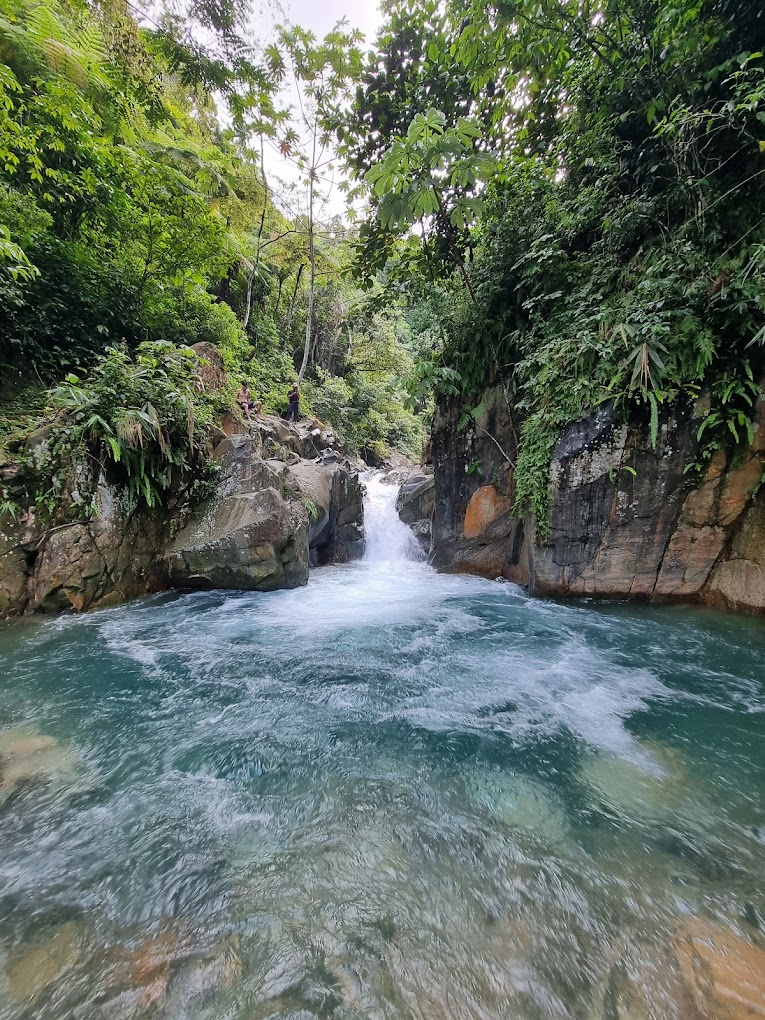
(148, 965)
(739, 486)
(485, 506)
(724, 972)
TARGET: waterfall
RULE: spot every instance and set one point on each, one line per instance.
(389, 540)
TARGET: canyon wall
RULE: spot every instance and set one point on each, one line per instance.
(283, 499)
(626, 520)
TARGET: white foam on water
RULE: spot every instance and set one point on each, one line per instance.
(388, 765)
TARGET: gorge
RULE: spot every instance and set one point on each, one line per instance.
(382, 521)
(392, 792)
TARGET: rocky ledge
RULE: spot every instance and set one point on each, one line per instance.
(626, 520)
(269, 520)
(284, 499)
(415, 502)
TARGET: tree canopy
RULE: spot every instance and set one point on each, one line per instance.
(588, 183)
(564, 198)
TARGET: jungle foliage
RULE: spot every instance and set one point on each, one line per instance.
(584, 184)
(137, 218)
(565, 198)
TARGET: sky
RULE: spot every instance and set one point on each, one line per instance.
(320, 16)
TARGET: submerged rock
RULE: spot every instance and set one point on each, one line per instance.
(518, 801)
(29, 757)
(32, 967)
(143, 969)
(203, 978)
(724, 972)
(641, 982)
(654, 786)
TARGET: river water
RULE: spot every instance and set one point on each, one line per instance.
(391, 794)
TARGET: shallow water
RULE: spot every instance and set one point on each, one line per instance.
(389, 794)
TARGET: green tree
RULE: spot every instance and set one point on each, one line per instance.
(322, 75)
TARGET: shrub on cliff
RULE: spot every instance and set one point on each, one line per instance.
(142, 419)
(587, 185)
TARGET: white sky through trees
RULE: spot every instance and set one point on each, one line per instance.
(320, 16)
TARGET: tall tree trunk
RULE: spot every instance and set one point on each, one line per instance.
(256, 267)
(331, 351)
(288, 325)
(265, 204)
(312, 259)
(457, 260)
(279, 296)
(248, 306)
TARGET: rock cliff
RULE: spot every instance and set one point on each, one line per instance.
(269, 519)
(416, 498)
(626, 520)
(284, 499)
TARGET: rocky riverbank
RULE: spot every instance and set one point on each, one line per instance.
(626, 520)
(282, 498)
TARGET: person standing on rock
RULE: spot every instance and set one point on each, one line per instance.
(293, 412)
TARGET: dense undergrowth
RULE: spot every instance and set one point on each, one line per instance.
(136, 219)
(583, 185)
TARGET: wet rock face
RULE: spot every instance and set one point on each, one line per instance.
(626, 520)
(256, 532)
(104, 562)
(13, 570)
(609, 528)
(659, 533)
(467, 534)
(415, 502)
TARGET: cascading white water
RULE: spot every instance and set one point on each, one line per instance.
(389, 793)
(389, 540)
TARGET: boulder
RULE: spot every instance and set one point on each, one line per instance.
(333, 497)
(485, 507)
(211, 370)
(654, 531)
(247, 541)
(250, 535)
(415, 502)
(307, 438)
(738, 581)
(609, 529)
